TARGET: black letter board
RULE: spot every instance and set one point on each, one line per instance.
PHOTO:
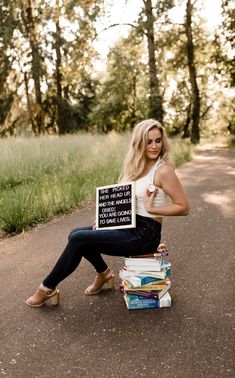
(115, 206)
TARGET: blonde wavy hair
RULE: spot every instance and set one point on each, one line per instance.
(135, 160)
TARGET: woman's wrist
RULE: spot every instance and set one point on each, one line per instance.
(151, 209)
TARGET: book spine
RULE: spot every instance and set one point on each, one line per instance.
(154, 275)
(140, 281)
(148, 294)
(146, 288)
(150, 255)
(142, 268)
(141, 306)
(143, 294)
(133, 303)
(142, 261)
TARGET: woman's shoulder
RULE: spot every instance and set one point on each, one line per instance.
(165, 167)
(165, 170)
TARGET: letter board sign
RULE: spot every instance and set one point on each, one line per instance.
(115, 206)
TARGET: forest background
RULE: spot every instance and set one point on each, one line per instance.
(180, 73)
(52, 85)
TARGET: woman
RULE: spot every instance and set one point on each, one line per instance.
(158, 193)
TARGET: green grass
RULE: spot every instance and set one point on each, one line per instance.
(48, 175)
(182, 151)
(231, 143)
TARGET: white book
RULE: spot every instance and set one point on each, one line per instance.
(142, 268)
(165, 301)
(125, 273)
(143, 261)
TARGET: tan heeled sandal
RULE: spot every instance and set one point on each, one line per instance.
(106, 277)
(42, 295)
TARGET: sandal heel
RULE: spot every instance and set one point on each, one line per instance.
(105, 278)
(55, 299)
(43, 295)
(110, 283)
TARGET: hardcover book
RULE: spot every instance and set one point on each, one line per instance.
(154, 265)
(142, 261)
(148, 267)
(145, 280)
(149, 294)
(149, 287)
(136, 281)
(134, 302)
(125, 273)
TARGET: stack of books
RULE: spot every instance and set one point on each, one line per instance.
(146, 280)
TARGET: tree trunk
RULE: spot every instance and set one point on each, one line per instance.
(5, 107)
(36, 66)
(58, 75)
(195, 132)
(134, 100)
(28, 102)
(7, 27)
(156, 102)
(186, 133)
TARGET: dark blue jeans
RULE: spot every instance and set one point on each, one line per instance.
(89, 243)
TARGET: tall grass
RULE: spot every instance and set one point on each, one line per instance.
(231, 142)
(182, 151)
(44, 176)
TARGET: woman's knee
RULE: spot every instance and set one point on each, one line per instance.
(79, 237)
(70, 234)
(73, 233)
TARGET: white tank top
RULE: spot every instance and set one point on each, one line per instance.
(141, 185)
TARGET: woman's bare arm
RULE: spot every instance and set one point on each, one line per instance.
(167, 179)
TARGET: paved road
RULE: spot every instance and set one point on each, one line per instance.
(97, 336)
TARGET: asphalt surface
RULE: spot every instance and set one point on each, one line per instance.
(97, 336)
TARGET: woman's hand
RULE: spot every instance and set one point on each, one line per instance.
(148, 198)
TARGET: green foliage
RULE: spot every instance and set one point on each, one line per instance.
(51, 45)
(74, 98)
(212, 77)
(231, 143)
(121, 98)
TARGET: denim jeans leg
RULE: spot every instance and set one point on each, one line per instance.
(91, 243)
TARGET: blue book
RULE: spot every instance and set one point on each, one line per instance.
(166, 264)
(135, 302)
(168, 272)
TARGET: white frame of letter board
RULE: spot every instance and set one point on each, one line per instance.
(133, 206)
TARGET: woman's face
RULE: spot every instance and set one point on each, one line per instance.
(154, 144)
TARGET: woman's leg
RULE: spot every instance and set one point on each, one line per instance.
(71, 257)
(83, 242)
(91, 243)
(95, 259)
